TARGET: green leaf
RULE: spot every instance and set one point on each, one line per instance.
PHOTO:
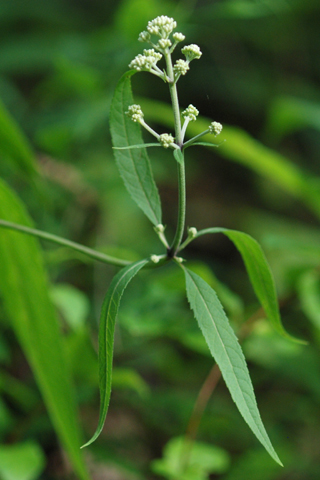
(134, 165)
(108, 316)
(259, 273)
(178, 155)
(24, 291)
(227, 352)
(22, 461)
(13, 144)
(205, 144)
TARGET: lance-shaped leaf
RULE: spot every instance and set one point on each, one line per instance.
(24, 292)
(133, 164)
(108, 316)
(225, 349)
(259, 273)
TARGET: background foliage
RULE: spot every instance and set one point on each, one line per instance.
(259, 76)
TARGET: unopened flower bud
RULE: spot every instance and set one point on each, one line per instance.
(166, 140)
(191, 113)
(181, 67)
(178, 37)
(192, 232)
(191, 52)
(135, 113)
(215, 128)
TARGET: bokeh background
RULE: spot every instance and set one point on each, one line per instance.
(259, 76)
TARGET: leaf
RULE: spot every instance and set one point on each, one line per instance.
(178, 155)
(134, 165)
(108, 316)
(205, 144)
(259, 273)
(227, 352)
(13, 144)
(24, 291)
(21, 461)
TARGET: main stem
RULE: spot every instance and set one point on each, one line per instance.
(181, 168)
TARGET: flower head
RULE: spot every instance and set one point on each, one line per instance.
(181, 67)
(166, 140)
(144, 37)
(191, 113)
(147, 61)
(191, 52)
(135, 113)
(162, 26)
(215, 128)
(178, 37)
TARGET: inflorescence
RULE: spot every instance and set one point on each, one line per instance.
(162, 27)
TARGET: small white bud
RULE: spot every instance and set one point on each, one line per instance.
(159, 228)
(215, 128)
(164, 43)
(191, 52)
(155, 258)
(192, 232)
(191, 112)
(144, 37)
(166, 140)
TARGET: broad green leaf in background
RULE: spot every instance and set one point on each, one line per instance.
(185, 460)
(22, 461)
(24, 291)
(13, 144)
(225, 349)
(259, 273)
(108, 316)
(240, 147)
(133, 164)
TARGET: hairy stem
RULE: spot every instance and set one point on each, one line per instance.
(66, 243)
(182, 209)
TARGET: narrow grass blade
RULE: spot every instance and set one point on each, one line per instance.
(133, 164)
(259, 273)
(14, 145)
(108, 316)
(227, 352)
(24, 292)
(142, 145)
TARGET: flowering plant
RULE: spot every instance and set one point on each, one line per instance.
(126, 118)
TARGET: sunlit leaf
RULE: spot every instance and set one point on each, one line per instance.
(226, 351)
(24, 291)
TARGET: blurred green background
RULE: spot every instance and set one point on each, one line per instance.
(259, 76)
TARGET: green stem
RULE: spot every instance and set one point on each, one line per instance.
(194, 139)
(174, 100)
(66, 243)
(182, 209)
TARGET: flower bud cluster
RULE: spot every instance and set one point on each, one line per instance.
(147, 62)
(215, 128)
(135, 113)
(166, 140)
(191, 52)
(190, 113)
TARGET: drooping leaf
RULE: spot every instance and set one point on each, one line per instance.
(133, 164)
(227, 352)
(259, 273)
(24, 291)
(108, 316)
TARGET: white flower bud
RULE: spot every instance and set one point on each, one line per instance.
(166, 140)
(164, 43)
(155, 258)
(215, 128)
(191, 52)
(159, 228)
(181, 67)
(178, 37)
(162, 26)
(135, 113)
(144, 37)
(191, 113)
(192, 232)
(146, 61)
